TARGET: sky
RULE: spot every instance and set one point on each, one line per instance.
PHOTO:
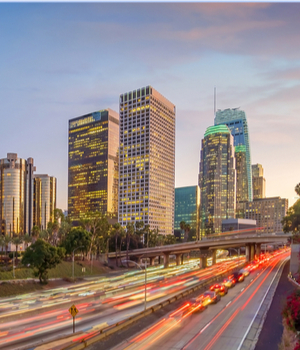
(63, 60)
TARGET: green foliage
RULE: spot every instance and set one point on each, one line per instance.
(169, 239)
(78, 237)
(42, 256)
(291, 222)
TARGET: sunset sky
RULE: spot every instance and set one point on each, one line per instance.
(62, 60)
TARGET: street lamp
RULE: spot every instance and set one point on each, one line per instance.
(74, 260)
(145, 304)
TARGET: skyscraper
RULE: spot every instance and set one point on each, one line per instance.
(93, 164)
(147, 159)
(44, 200)
(187, 204)
(217, 179)
(258, 181)
(16, 195)
(236, 121)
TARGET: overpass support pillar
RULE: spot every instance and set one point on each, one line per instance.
(248, 253)
(214, 257)
(252, 251)
(181, 259)
(166, 260)
(258, 250)
(203, 263)
(178, 259)
(152, 260)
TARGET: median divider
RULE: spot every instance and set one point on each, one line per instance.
(103, 333)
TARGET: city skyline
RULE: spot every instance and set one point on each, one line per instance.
(63, 60)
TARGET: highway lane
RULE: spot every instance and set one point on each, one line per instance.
(221, 326)
(113, 304)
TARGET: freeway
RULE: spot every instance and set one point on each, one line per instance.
(227, 325)
(28, 319)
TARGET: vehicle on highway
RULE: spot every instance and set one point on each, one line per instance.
(220, 289)
(211, 297)
(196, 305)
(245, 272)
(239, 276)
(229, 281)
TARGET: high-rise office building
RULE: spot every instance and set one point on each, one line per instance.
(44, 200)
(147, 159)
(93, 164)
(268, 213)
(236, 121)
(16, 195)
(187, 205)
(217, 179)
(258, 181)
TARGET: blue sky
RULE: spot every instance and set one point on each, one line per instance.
(62, 60)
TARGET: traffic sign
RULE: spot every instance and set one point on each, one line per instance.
(73, 310)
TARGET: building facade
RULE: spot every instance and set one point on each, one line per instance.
(93, 164)
(268, 213)
(236, 121)
(258, 182)
(44, 200)
(16, 195)
(217, 179)
(187, 206)
(147, 159)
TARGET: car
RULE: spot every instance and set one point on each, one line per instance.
(229, 281)
(196, 305)
(210, 297)
(239, 276)
(245, 272)
(220, 289)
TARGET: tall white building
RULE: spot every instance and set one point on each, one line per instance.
(147, 159)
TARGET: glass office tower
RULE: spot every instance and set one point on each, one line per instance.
(187, 204)
(217, 179)
(93, 164)
(16, 195)
(147, 159)
(236, 121)
(44, 200)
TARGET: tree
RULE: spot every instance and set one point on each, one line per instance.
(186, 228)
(97, 224)
(27, 239)
(116, 230)
(297, 189)
(291, 222)
(169, 239)
(17, 240)
(78, 237)
(42, 256)
(129, 234)
(35, 232)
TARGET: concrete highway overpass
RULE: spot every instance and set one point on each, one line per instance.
(207, 247)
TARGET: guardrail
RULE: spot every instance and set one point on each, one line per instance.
(103, 333)
(293, 280)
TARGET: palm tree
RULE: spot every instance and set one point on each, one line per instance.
(2, 243)
(116, 230)
(35, 232)
(44, 235)
(129, 234)
(27, 239)
(17, 240)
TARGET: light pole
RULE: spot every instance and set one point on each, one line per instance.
(74, 260)
(145, 304)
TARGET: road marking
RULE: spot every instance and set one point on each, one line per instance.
(228, 303)
(251, 323)
(244, 288)
(251, 280)
(204, 328)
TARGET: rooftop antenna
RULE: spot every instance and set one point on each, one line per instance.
(215, 100)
